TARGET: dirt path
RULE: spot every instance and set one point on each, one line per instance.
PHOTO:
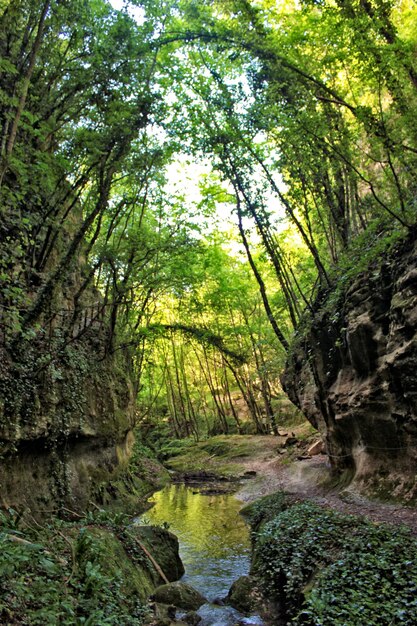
(304, 479)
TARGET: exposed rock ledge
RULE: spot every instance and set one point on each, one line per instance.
(354, 376)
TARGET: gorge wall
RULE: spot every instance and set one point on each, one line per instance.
(66, 402)
(354, 376)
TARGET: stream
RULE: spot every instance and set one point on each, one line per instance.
(214, 545)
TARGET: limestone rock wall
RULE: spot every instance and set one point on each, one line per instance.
(66, 406)
(354, 376)
(68, 436)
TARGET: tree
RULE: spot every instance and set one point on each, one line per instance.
(306, 113)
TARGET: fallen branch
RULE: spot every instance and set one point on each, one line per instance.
(152, 560)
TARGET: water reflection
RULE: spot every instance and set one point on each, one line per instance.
(214, 540)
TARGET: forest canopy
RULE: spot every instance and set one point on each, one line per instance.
(200, 176)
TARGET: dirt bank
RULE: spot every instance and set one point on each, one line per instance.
(310, 478)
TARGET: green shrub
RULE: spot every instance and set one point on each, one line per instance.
(373, 582)
(44, 582)
(265, 509)
(329, 569)
(141, 451)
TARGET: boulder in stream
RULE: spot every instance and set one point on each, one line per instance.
(161, 549)
(241, 595)
(192, 618)
(179, 594)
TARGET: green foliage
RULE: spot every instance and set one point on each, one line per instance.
(381, 563)
(174, 447)
(45, 580)
(109, 596)
(265, 509)
(328, 568)
(308, 144)
(115, 520)
(141, 451)
(42, 583)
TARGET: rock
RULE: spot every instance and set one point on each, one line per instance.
(192, 618)
(290, 441)
(101, 548)
(164, 549)
(248, 475)
(166, 616)
(166, 621)
(179, 594)
(354, 376)
(316, 448)
(240, 596)
(164, 611)
(214, 490)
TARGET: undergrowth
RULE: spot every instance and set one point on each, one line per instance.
(329, 569)
(265, 509)
(44, 580)
(174, 447)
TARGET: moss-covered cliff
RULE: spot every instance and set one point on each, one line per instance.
(354, 376)
(66, 414)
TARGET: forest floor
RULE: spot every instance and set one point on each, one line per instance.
(269, 464)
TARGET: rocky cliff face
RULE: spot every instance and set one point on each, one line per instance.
(68, 438)
(66, 406)
(354, 376)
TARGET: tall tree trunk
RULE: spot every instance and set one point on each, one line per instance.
(278, 332)
(25, 88)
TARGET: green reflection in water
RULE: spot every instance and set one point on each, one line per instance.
(211, 524)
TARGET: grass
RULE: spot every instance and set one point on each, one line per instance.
(219, 455)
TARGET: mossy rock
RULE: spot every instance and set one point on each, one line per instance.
(163, 614)
(125, 561)
(164, 548)
(180, 595)
(240, 595)
(101, 549)
(192, 618)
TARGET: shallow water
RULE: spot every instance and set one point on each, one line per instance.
(214, 545)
